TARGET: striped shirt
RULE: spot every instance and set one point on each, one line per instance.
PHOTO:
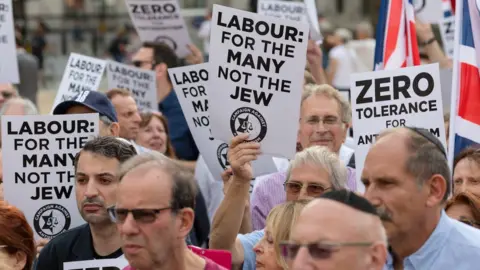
(269, 192)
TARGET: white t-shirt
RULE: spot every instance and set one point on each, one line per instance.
(344, 67)
(204, 34)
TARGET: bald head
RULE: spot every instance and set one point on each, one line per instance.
(359, 236)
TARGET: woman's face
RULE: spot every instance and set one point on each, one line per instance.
(462, 212)
(153, 136)
(265, 252)
(11, 261)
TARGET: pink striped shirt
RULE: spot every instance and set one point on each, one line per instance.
(269, 192)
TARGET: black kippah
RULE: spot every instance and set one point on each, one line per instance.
(430, 137)
(351, 199)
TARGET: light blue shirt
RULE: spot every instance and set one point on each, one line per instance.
(249, 240)
(452, 246)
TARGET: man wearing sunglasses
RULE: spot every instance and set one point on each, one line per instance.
(312, 172)
(339, 231)
(325, 117)
(7, 91)
(96, 184)
(408, 180)
(154, 214)
(159, 58)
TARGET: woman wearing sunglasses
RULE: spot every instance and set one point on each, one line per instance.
(278, 225)
(17, 246)
(465, 207)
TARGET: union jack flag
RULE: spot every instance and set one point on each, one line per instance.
(396, 40)
(465, 107)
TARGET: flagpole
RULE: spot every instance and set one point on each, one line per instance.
(455, 82)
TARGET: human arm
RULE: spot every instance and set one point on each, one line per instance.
(195, 56)
(433, 49)
(315, 61)
(227, 220)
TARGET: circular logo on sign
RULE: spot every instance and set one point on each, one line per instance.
(51, 220)
(222, 152)
(248, 120)
(167, 40)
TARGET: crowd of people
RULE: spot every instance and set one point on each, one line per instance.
(145, 192)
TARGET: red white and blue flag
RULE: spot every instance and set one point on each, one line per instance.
(465, 107)
(396, 40)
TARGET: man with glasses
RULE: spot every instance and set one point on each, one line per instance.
(311, 172)
(154, 214)
(340, 231)
(7, 91)
(407, 178)
(96, 184)
(159, 58)
(324, 120)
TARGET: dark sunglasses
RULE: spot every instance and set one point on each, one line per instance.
(6, 94)
(139, 63)
(312, 189)
(318, 251)
(119, 215)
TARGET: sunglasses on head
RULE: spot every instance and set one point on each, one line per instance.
(144, 216)
(318, 250)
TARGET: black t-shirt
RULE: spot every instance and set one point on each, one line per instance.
(114, 255)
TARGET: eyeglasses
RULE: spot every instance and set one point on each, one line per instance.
(319, 250)
(144, 216)
(327, 121)
(313, 190)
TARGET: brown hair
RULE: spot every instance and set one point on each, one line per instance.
(471, 153)
(147, 117)
(15, 233)
(117, 92)
(469, 199)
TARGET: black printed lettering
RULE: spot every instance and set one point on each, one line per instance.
(52, 193)
(361, 99)
(245, 94)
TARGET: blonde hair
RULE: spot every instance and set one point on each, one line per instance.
(280, 222)
(329, 92)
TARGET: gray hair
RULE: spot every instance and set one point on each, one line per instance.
(28, 107)
(365, 27)
(425, 160)
(184, 189)
(330, 92)
(105, 120)
(321, 156)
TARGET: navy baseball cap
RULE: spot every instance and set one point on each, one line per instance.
(94, 100)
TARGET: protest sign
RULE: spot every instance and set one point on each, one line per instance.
(83, 73)
(8, 55)
(257, 77)
(447, 31)
(142, 84)
(104, 264)
(191, 85)
(428, 11)
(386, 99)
(315, 33)
(294, 11)
(160, 21)
(38, 175)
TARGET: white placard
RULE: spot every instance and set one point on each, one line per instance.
(447, 30)
(385, 99)
(191, 85)
(428, 11)
(160, 21)
(8, 55)
(38, 153)
(294, 11)
(256, 86)
(104, 264)
(141, 83)
(82, 73)
(315, 33)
